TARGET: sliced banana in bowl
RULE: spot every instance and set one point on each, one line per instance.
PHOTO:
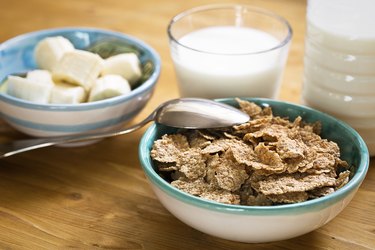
(109, 86)
(26, 89)
(68, 75)
(64, 93)
(40, 75)
(126, 65)
(50, 50)
(78, 67)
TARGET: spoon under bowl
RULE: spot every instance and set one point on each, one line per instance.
(189, 113)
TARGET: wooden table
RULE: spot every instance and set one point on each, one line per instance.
(97, 196)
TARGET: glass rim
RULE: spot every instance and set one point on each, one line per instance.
(251, 8)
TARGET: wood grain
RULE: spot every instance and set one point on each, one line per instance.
(96, 197)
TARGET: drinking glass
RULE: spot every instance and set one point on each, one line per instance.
(229, 50)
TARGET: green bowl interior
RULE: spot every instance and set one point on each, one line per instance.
(353, 150)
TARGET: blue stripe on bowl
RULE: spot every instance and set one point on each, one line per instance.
(69, 128)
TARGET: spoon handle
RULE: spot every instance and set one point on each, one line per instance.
(19, 146)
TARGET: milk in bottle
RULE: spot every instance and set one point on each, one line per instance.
(339, 63)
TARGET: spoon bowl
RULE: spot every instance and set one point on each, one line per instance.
(180, 113)
(197, 113)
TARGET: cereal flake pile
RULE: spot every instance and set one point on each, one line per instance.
(266, 161)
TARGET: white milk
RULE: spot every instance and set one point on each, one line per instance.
(223, 61)
(339, 62)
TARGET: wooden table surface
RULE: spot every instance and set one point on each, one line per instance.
(96, 197)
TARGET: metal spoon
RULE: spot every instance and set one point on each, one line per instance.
(190, 113)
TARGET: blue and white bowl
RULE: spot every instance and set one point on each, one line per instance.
(44, 120)
(253, 224)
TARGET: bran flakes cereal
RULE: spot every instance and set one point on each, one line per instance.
(222, 196)
(192, 164)
(198, 139)
(229, 174)
(258, 200)
(168, 148)
(196, 187)
(276, 184)
(292, 197)
(266, 161)
(319, 192)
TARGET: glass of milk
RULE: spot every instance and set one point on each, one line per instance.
(339, 62)
(229, 50)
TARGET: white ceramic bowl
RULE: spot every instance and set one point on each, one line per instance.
(262, 223)
(44, 120)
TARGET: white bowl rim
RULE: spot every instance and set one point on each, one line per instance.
(144, 87)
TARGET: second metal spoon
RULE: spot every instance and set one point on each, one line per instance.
(190, 113)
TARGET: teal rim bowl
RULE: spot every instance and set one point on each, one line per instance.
(353, 150)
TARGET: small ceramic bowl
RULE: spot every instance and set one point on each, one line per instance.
(262, 223)
(44, 120)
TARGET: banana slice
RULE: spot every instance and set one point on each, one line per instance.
(109, 86)
(40, 75)
(63, 93)
(126, 65)
(50, 50)
(78, 67)
(34, 91)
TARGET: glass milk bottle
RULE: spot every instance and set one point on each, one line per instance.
(339, 63)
